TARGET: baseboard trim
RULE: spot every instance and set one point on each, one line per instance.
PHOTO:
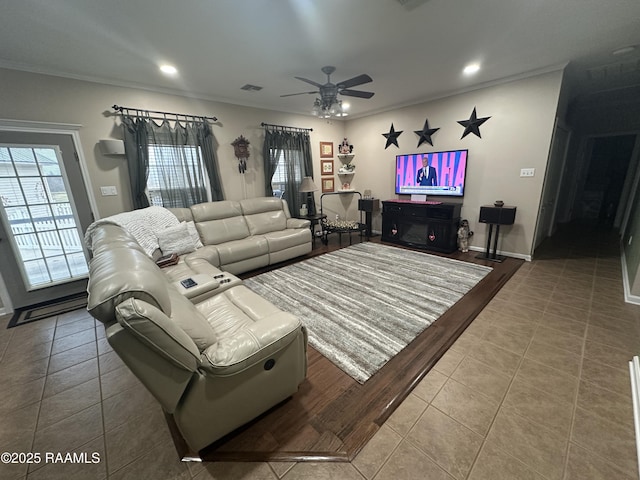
(628, 296)
(503, 253)
(480, 249)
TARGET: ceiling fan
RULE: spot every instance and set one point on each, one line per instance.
(328, 103)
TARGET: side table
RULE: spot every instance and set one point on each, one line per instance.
(368, 206)
(315, 220)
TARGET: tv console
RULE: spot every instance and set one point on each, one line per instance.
(428, 225)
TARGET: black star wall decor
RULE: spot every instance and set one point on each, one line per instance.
(425, 133)
(473, 124)
(392, 137)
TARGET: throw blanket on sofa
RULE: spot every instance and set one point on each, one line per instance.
(143, 225)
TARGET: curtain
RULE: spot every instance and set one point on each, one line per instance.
(271, 154)
(137, 152)
(292, 150)
(208, 146)
(169, 163)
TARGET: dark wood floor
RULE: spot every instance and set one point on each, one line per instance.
(332, 416)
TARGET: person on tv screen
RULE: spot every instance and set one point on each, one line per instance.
(427, 175)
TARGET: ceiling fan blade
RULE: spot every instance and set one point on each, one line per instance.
(356, 93)
(311, 82)
(301, 93)
(355, 81)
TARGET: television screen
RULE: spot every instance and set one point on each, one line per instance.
(436, 173)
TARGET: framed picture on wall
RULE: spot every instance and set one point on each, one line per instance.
(326, 149)
(326, 167)
(328, 185)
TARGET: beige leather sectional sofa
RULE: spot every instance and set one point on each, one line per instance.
(245, 235)
(215, 355)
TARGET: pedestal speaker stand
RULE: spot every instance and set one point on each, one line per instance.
(495, 216)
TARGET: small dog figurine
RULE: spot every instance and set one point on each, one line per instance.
(463, 236)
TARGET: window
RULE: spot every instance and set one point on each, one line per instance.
(39, 211)
(177, 176)
(279, 179)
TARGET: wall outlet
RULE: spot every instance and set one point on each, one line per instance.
(108, 191)
(527, 172)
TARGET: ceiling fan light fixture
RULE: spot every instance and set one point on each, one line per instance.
(344, 106)
(328, 105)
(316, 110)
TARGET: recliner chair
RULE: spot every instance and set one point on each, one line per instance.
(214, 365)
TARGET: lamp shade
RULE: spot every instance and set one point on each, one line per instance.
(307, 185)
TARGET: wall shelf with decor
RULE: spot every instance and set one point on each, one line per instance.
(346, 172)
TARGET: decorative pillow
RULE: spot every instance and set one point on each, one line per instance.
(193, 231)
(176, 240)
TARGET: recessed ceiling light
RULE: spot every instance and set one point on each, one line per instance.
(623, 50)
(471, 68)
(168, 69)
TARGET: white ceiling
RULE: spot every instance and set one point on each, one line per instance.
(414, 50)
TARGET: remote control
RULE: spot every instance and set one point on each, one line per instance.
(188, 283)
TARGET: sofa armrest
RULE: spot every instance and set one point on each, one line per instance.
(208, 253)
(298, 223)
(154, 329)
(254, 344)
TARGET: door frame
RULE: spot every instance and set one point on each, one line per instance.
(73, 130)
(565, 150)
(546, 229)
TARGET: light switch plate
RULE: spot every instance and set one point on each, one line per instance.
(527, 172)
(108, 191)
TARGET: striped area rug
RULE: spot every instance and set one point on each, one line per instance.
(363, 304)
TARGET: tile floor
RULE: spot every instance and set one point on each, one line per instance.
(536, 388)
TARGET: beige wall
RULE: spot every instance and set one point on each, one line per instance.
(517, 135)
(34, 97)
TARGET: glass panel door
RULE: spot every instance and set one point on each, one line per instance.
(39, 215)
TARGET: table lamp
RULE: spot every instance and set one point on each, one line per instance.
(307, 186)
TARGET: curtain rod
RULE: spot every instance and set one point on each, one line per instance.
(284, 127)
(145, 113)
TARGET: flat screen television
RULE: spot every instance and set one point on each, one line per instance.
(435, 173)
